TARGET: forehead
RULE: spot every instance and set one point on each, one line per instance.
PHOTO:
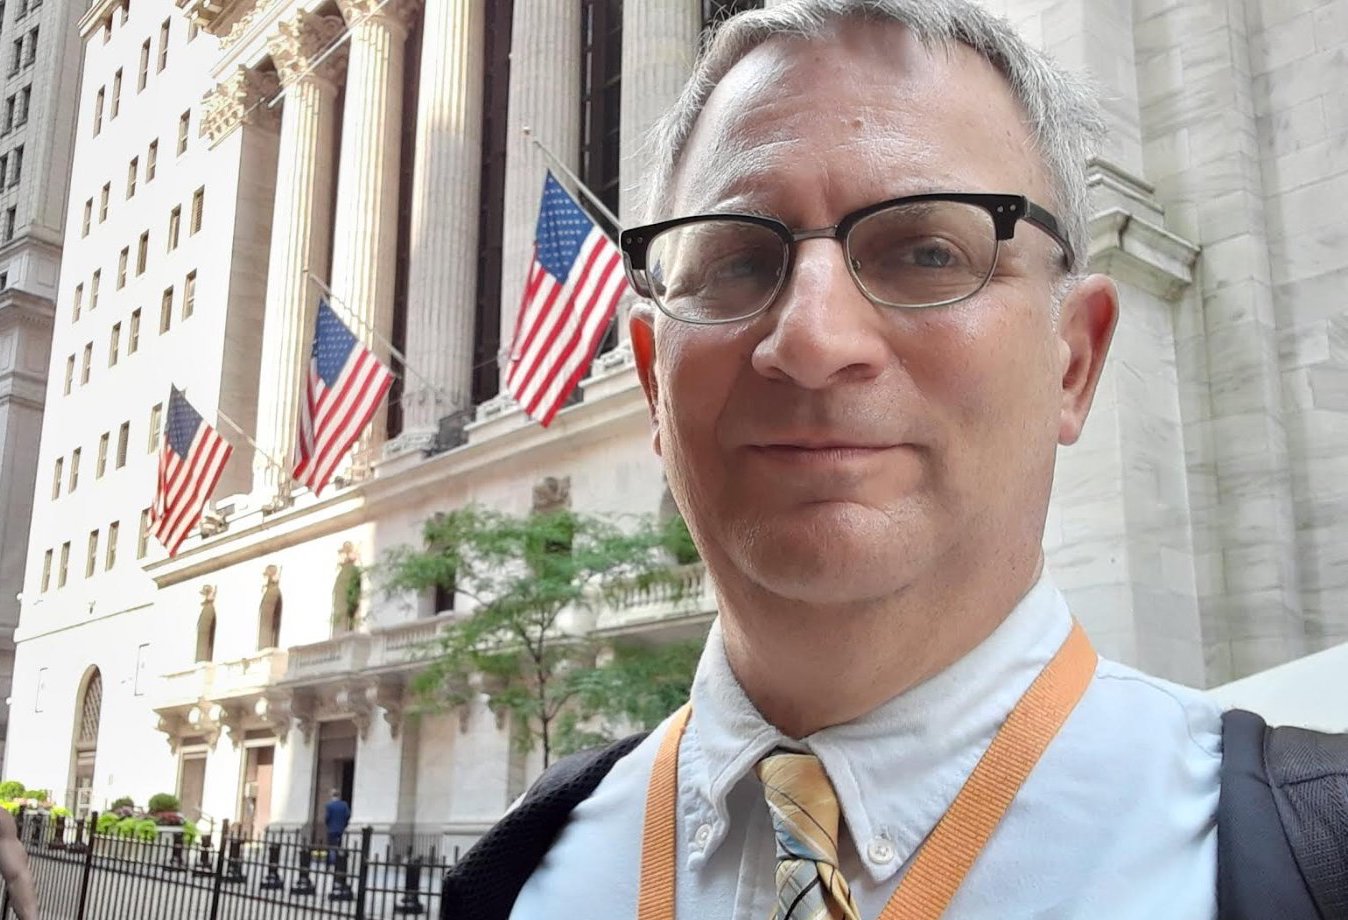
(864, 113)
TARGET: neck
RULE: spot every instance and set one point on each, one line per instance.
(847, 660)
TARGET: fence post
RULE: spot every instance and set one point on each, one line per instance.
(236, 873)
(219, 871)
(58, 837)
(92, 821)
(363, 880)
(304, 855)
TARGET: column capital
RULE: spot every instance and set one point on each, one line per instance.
(399, 14)
(301, 39)
(239, 99)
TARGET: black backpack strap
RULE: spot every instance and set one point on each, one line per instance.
(483, 884)
(1282, 824)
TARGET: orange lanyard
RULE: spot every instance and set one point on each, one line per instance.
(949, 852)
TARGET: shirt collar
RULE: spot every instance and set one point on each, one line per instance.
(896, 769)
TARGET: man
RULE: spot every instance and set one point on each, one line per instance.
(336, 816)
(14, 867)
(859, 424)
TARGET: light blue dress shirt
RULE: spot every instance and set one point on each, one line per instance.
(1118, 820)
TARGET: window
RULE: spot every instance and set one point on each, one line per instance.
(11, 109)
(31, 56)
(98, 112)
(163, 46)
(56, 477)
(64, 566)
(143, 538)
(75, 306)
(156, 416)
(151, 160)
(189, 293)
(101, 466)
(70, 373)
(133, 333)
(110, 559)
(88, 359)
(601, 90)
(123, 436)
(116, 94)
(94, 282)
(25, 102)
(88, 217)
(142, 253)
(131, 169)
(4, 166)
(91, 560)
(183, 121)
(166, 311)
(46, 571)
(198, 204)
(114, 343)
(74, 472)
(15, 165)
(17, 57)
(103, 201)
(144, 72)
(121, 266)
(11, 221)
(175, 222)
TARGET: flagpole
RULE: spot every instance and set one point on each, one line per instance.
(580, 186)
(251, 443)
(440, 396)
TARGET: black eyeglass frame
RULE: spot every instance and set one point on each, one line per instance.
(1005, 210)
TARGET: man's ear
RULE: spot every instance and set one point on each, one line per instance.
(641, 326)
(1086, 323)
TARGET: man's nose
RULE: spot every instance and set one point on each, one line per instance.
(823, 330)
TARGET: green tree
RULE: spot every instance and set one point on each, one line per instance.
(523, 574)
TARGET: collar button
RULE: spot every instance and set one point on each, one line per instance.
(880, 850)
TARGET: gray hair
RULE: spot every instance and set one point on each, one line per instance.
(1063, 111)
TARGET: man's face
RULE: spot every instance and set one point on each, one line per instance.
(835, 451)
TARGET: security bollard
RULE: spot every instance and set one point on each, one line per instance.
(175, 863)
(341, 887)
(204, 857)
(304, 885)
(235, 875)
(410, 903)
(273, 880)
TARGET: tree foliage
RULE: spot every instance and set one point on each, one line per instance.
(525, 577)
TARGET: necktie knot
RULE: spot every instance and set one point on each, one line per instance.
(805, 818)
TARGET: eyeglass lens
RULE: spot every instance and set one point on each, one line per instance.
(915, 254)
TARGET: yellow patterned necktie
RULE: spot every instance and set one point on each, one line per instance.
(805, 817)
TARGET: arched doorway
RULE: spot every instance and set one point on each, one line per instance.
(84, 749)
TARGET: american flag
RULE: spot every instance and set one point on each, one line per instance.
(191, 459)
(346, 384)
(575, 282)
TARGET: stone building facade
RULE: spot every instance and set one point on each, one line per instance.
(378, 148)
(39, 81)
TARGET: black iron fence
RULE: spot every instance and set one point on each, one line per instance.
(279, 875)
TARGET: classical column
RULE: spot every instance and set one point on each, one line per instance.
(659, 46)
(299, 239)
(366, 218)
(544, 95)
(441, 292)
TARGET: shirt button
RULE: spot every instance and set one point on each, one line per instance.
(880, 850)
(703, 835)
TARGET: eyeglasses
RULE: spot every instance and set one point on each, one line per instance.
(913, 252)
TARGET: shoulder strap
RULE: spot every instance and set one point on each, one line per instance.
(1282, 824)
(484, 883)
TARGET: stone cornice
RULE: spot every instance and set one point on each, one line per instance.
(523, 443)
(96, 14)
(1141, 253)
